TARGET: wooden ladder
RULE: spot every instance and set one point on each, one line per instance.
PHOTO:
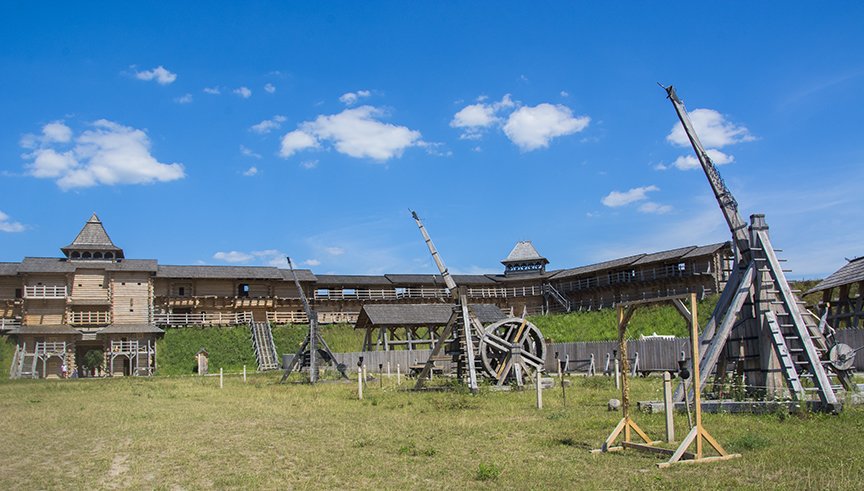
(265, 347)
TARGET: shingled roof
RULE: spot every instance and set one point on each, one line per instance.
(419, 315)
(524, 251)
(92, 237)
(45, 329)
(221, 272)
(852, 272)
(130, 329)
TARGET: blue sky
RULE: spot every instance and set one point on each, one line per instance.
(239, 132)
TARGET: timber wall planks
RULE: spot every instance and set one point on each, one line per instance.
(131, 298)
(90, 284)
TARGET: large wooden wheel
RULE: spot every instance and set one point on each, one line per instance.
(512, 350)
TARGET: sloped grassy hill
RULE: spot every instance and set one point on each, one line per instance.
(231, 347)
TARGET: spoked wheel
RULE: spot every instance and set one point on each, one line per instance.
(512, 350)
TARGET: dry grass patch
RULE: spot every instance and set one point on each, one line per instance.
(187, 433)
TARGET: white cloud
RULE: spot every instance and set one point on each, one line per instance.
(309, 164)
(312, 262)
(109, 154)
(656, 208)
(354, 132)
(161, 75)
(334, 251)
(212, 90)
(271, 257)
(248, 152)
(475, 115)
(351, 98)
(531, 128)
(233, 257)
(295, 141)
(243, 92)
(268, 125)
(57, 132)
(528, 127)
(564, 93)
(689, 162)
(183, 99)
(473, 119)
(251, 171)
(618, 198)
(269, 88)
(6, 225)
(713, 129)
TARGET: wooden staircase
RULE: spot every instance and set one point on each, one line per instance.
(265, 347)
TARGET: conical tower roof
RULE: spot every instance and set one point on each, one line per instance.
(524, 251)
(524, 259)
(92, 238)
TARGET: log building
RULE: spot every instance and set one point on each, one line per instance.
(93, 297)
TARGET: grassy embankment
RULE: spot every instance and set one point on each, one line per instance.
(186, 433)
(230, 347)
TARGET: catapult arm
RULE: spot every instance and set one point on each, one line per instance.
(724, 197)
(448, 280)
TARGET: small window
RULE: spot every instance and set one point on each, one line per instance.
(19, 293)
(76, 255)
(109, 255)
(123, 283)
(243, 290)
(139, 283)
(682, 266)
(97, 255)
(181, 291)
(86, 255)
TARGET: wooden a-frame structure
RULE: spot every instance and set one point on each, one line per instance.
(627, 426)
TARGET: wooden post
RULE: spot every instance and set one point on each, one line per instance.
(398, 374)
(244, 374)
(539, 391)
(668, 407)
(563, 392)
(617, 375)
(388, 370)
(697, 385)
(220, 377)
(365, 375)
(360, 383)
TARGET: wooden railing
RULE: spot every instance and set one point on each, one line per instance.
(130, 347)
(48, 347)
(9, 323)
(89, 318)
(44, 291)
(203, 319)
(323, 317)
(519, 291)
(634, 275)
(378, 294)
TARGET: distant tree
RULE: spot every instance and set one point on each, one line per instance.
(93, 359)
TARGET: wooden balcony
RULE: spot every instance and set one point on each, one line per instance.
(203, 319)
(97, 318)
(8, 323)
(44, 291)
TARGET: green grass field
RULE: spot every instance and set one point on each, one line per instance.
(186, 433)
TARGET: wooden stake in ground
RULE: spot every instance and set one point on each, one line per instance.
(668, 407)
(539, 391)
